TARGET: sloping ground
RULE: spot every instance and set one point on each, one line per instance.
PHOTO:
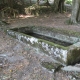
(22, 62)
(47, 20)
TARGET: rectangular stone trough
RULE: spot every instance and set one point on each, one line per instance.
(63, 46)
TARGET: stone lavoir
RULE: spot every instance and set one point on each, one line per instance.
(61, 45)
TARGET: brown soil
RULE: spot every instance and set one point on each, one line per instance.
(49, 20)
(21, 61)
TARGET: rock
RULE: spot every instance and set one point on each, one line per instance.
(71, 68)
(73, 55)
(2, 61)
(52, 66)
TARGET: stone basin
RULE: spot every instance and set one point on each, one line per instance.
(61, 45)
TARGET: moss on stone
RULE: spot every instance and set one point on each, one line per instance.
(53, 44)
(66, 32)
(40, 40)
(73, 56)
(52, 30)
(49, 65)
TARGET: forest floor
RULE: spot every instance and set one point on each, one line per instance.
(19, 61)
(47, 20)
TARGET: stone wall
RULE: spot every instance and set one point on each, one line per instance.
(64, 55)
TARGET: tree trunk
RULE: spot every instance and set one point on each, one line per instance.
(78, 17)
(47, 3)
(10, 3)
(56, 2)
(59, 5)
(37, 2)
(30, 2)
(75, 11)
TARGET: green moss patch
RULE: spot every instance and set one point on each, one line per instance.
(53, 44)
(49, 65)
(73, 56)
